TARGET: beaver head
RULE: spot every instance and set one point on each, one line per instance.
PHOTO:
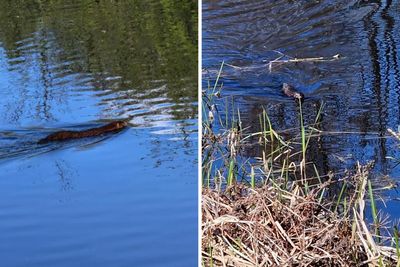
(291, 92)
(117, 125)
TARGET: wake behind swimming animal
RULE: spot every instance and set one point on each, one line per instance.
(289, 91)
(111, 127)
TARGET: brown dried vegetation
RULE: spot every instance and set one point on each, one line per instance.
(267, 226)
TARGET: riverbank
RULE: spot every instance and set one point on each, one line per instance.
(279, 209)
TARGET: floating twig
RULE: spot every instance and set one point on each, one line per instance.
(294, 60)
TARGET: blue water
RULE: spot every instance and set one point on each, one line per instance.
(360, 91)
(125, 199)
(93, 206)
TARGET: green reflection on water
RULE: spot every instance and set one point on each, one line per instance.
(141, 41)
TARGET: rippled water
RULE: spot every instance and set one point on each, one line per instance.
(361, 90)
(128, 199)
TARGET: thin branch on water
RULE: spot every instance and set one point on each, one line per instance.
(278, 60)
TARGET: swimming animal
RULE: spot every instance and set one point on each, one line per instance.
(114, 126)
(291, 92)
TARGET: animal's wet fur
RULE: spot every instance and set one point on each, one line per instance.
(289, 91)
(114, 126)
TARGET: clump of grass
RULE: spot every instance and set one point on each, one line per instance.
(223, 145)
(272, 226)
(268, 226)
(279, 210)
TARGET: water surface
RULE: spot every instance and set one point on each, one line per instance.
(128, 199)
(360, 91)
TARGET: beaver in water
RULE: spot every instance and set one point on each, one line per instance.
(114, 126)
(291, 92)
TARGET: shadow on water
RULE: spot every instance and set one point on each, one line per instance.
(360, 91)
(126, 199)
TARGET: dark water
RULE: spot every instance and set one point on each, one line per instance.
(128, 199)
(361, 90)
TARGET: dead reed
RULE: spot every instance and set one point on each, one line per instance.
(269, 226)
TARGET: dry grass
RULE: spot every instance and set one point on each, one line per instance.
(268, 226)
